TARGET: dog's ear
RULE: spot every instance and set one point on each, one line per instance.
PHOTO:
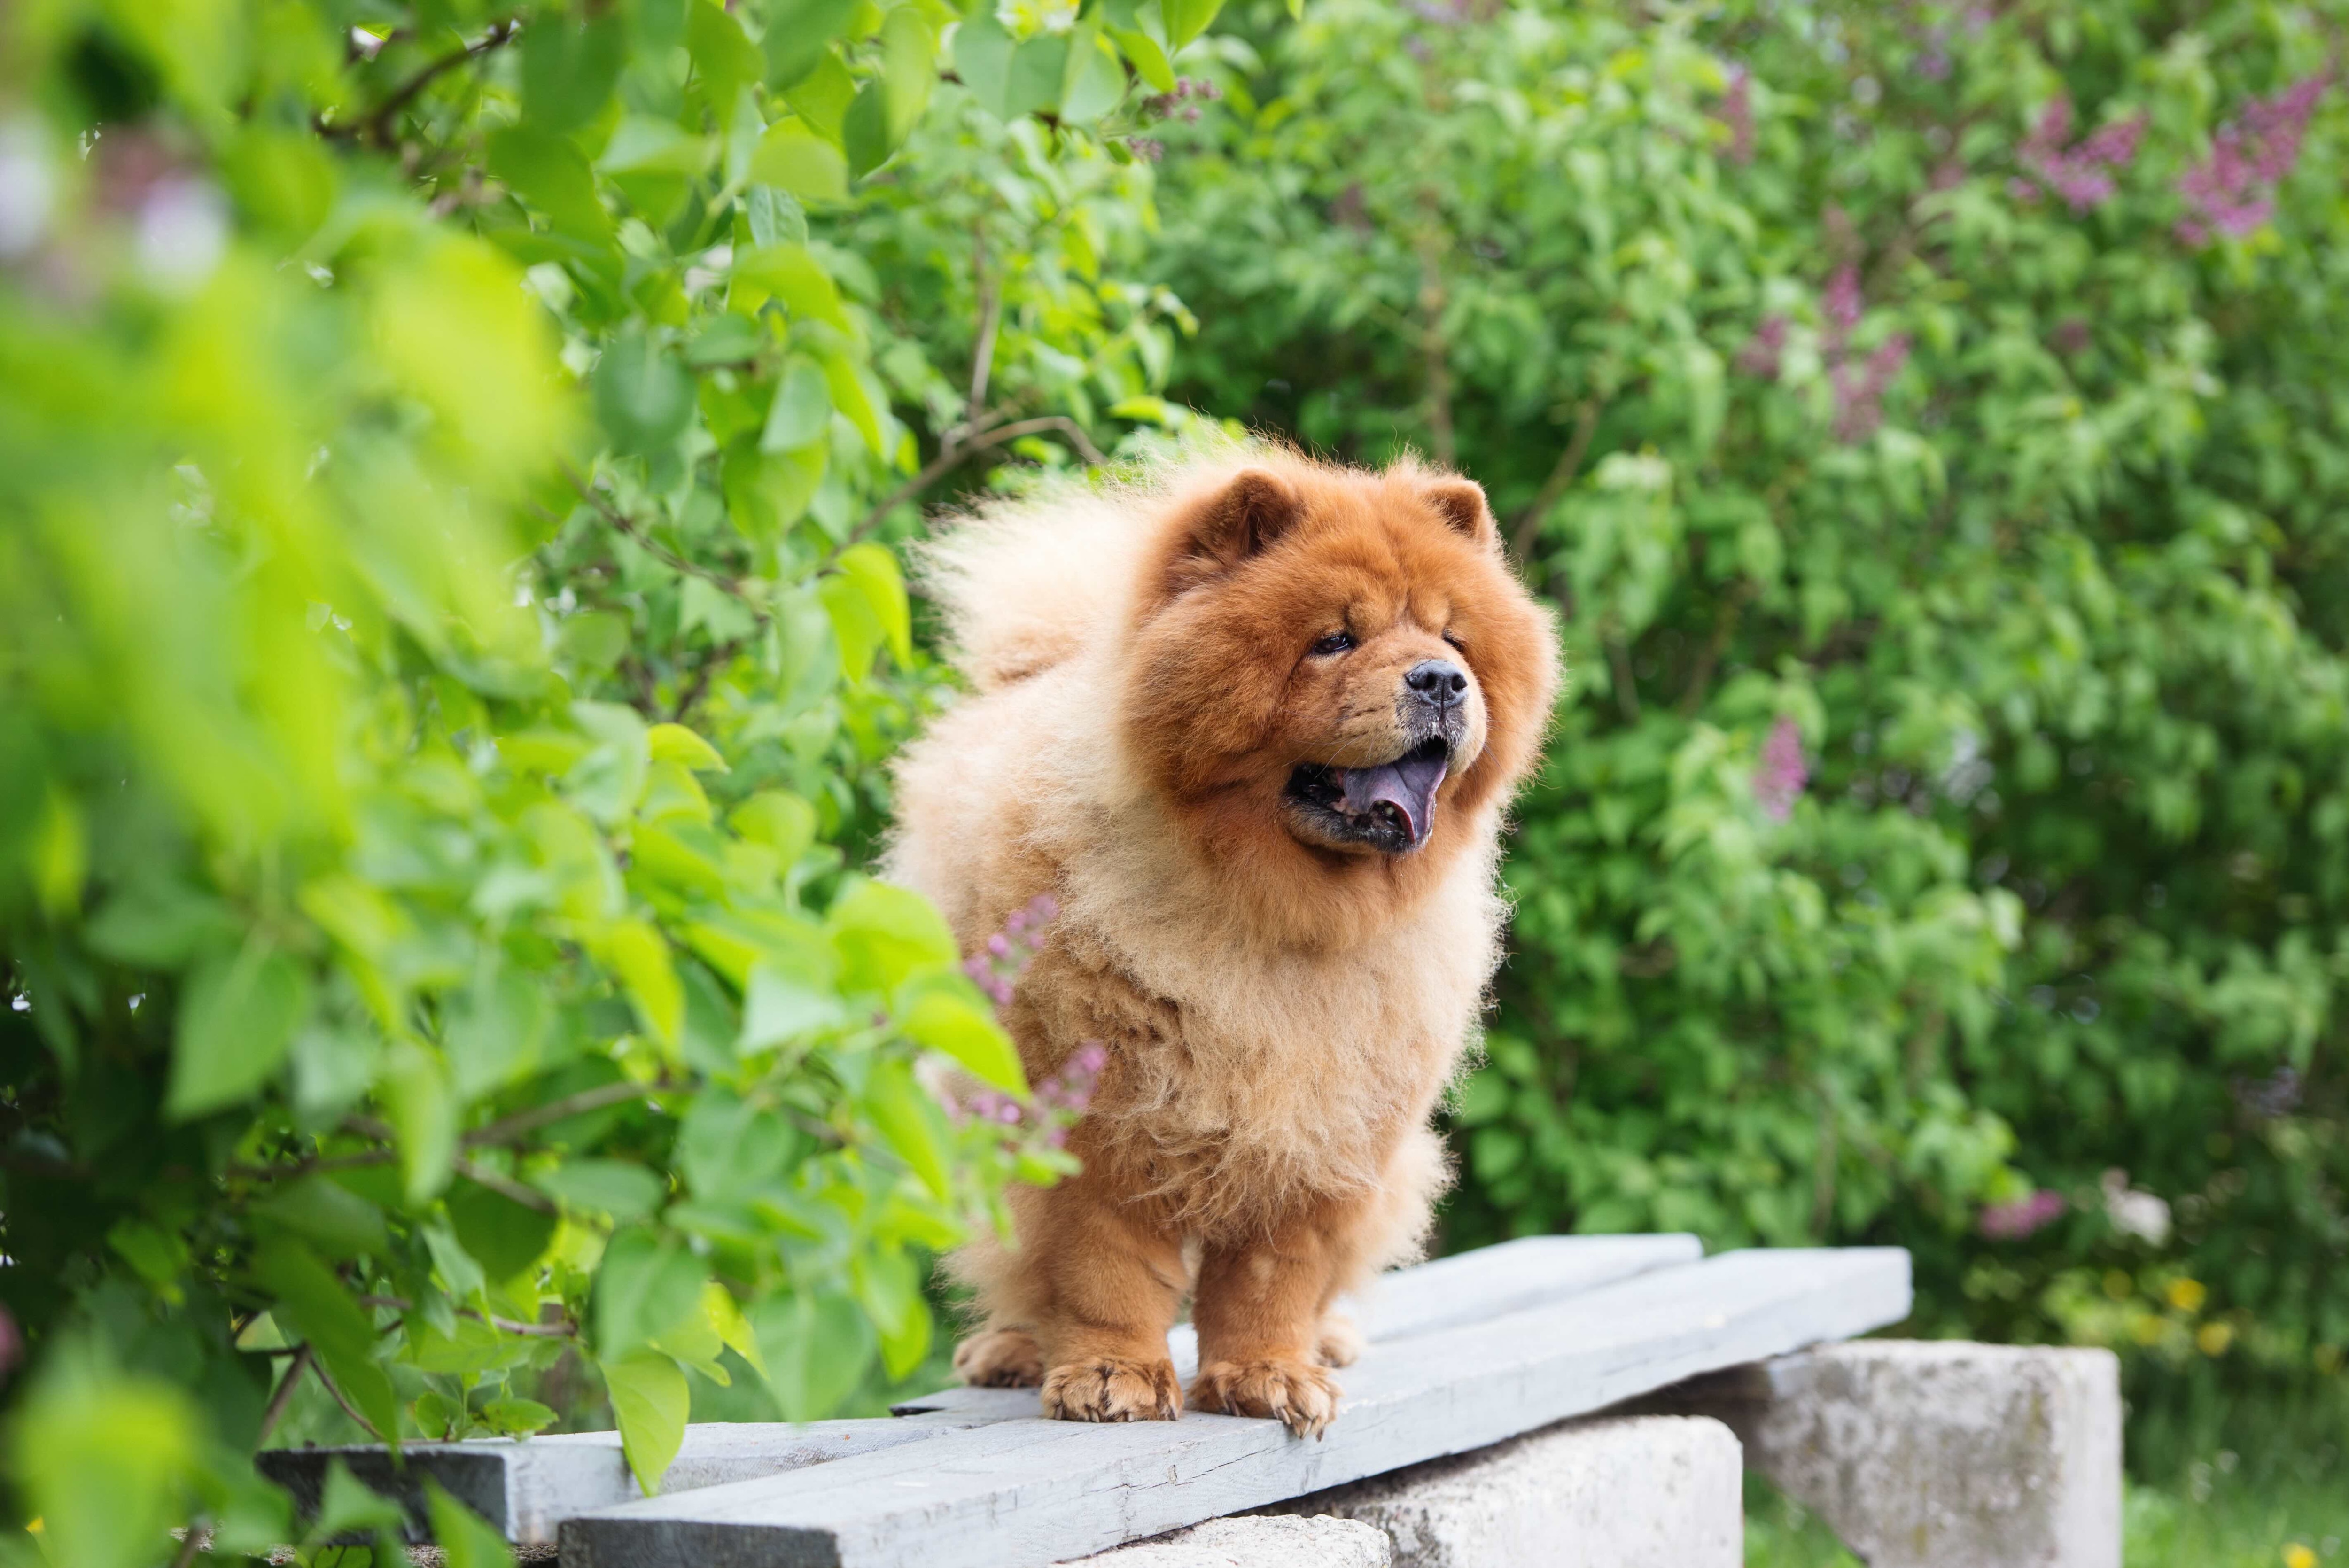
(1252, 510)
(1461, 502)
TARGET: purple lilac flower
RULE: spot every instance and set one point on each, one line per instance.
(12, 1342)
(2012, 1221)
(1841, 303)
(1737, 114)
(1780, 779)
(1759, 357)
(1860, 390)
(2083, 174)
(2232, 191)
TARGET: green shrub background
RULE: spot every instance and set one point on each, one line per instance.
(453, 459)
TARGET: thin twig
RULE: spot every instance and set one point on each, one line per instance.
(698, 687)
(990, 309)
(285, 1393)
(378, 123)
(513, 1126)
(1570, 463)
(1627, 695)
(653, 547)
(504, 1187)
(191, 1542)
(565, 1329)
(959, 447)
(349, 1410)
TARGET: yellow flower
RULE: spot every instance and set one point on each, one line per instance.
(2212, 1338)
(2186, 1295)
(2298, 1556)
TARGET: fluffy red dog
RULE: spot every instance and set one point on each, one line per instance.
(1253, 725)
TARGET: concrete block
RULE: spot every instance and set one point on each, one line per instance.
(1653, 1491)
(1299, 1543)
(1938, 1454)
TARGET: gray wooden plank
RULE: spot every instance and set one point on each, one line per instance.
(1466, 1287)
(1028, 1493)
(529, 1486)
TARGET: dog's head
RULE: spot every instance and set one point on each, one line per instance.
(1331, 673)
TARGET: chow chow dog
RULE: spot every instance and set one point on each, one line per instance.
(1251, 723)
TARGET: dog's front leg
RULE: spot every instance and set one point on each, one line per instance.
(1260, 1318)
(1107, 1285)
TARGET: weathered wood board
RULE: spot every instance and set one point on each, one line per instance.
(527, 1487)
(1027, 1492)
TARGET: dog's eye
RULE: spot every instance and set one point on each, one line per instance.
(1335, 643)
(1454, 638)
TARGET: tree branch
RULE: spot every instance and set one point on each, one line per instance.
(653, 547)
(509, 1129)
(960, 446)
(504, 1187)
(563, 1329)
(349, 1410)
(378, 124)
(285, 1393)
(1570, 463)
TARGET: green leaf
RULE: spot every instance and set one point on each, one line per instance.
(312, 1305)
(884, 934)
(569, 68)
(328, 1215)
(890, 104)
(611, 1187)
(507, 1237)
(792, 158)
(466, 1540)
(783, 821)
(1096, 81)
(910, 1122)
(782, 1007)
(647, 1285)
(982, 56)
(551, 174)
(816, 1347)
(822, 98)
(723, 54)
(801, 411)
(799, 33)
(636, 953)
(236, 1023)
(423, 1115)
(874, 571)
(1187, 19)
(791, 274)
(890, 1287)
(675, 743)
(493, 1030)
(650, 1401)
(644, 398)
(1149, 58)
(102, 1459)
(953, 1025)
(1039, 69)
(512, 1418)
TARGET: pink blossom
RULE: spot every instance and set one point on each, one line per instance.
(1737, 114)
(1842, 303)
(12, 1342)
(2232, 191)
(1759, 357)
(2082, 175)
(1859, 391)
(1780, 779)
(2012, 1221)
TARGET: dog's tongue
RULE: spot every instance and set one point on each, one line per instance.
(1408, 784)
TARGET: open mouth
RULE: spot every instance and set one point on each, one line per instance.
(1390, 807)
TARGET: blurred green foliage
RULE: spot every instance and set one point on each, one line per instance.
(1928, 419)
(448, 457)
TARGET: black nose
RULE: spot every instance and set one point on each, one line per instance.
(1437, 681)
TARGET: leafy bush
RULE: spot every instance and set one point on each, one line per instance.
(1927, 418)
(447, 642)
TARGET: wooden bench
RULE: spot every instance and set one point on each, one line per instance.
(1463, 1352)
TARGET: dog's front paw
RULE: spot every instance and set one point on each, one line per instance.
(999, 1358)
(1298, 1394)
(1341, 1343)
(1113, 1388)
